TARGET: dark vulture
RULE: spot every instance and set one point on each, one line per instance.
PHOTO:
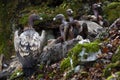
(64, 27)
(77, 29)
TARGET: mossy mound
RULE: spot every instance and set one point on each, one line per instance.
(116, 56)
(110, 68)
(90, 47)
(112, 11)
(65, 64)
(116, 76)
(73, 58)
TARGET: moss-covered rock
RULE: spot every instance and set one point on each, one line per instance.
(65, 64)
(109, 68)
(116, 56)
(90, 47)
(112, 11)
(73, 58)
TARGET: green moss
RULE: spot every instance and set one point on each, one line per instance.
(112, 11)
(51, 75)
(74, 54)
(107, 71)
(41, 66)
(90, 47)
(24, 19)
(113, 5)
(65, 64)
(117, 76)
(116, 56)
(39, 76)
(16, 74)
(47, 13)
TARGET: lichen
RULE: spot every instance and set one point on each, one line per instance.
(107, 71)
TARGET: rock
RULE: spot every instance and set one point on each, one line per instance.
(77, 69)
(92, 26)
(56, 52)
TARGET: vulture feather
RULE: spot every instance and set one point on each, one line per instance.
(28, 44)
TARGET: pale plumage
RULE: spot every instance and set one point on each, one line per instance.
(29, 41)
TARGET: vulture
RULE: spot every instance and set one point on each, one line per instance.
(28, 43)
(97, 11)
(64, 27)
(75, 25)
(70, 14)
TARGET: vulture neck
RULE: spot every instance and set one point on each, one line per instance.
(64, 21)
(30, 23)
(70, 18)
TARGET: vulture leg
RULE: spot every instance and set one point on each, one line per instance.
(43, 40)
(66, 32)
(70, 32)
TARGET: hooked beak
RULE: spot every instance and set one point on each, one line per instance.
(54, 19)
(71, 11)
(40, 18)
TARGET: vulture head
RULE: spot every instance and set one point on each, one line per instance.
(69, 12)
(60, 17)
(32, 18)
(63, 27)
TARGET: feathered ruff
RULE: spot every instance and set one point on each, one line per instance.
(28, 42)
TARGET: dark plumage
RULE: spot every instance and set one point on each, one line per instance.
(63, 27)
(97, 10)
(84, 32)
(75, 26)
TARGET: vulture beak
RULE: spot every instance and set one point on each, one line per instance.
(40, 18)
(54, 19)
(71, 11)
